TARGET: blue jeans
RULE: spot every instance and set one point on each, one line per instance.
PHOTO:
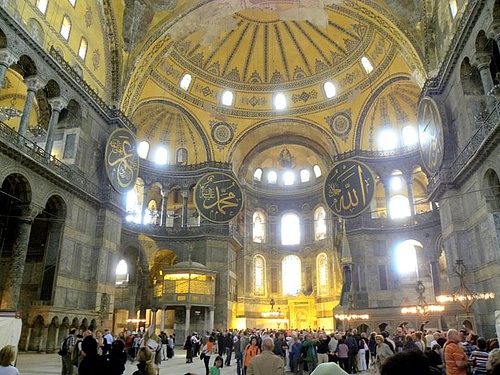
(228, 354)
(239, 361)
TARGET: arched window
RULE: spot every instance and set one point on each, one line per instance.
(65, 27)
(290, 229)
(406, 258)
(305, 175)
(181, 156)
(396, 181)
(410, 136)
(330, 90)
(72, 2)
(42, 5)
(151, 214)
(366, 64)
(288, 178)
(292, 275)
(143, 149)
(259, 275)
(272, 177)
(185, 82)
(453, 8)
(132, 207)
(400, 207)
(161, 155)
(319, 224)
(259, 227)
(317, 170)
(227, 98)
(257, 175)
(322, 272)
(121, 273)
(279, 101)
(387, 139)
(82, 50)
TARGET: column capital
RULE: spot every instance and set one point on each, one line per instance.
(482, 60)
(185, 193)
(26, 213)
(7, 58)
(58, 103)
(34, 83)
(494, 30)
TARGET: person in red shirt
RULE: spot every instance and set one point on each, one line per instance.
(454, 355)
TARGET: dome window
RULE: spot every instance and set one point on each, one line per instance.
(280, 101)
(257, 175)
(288, 178)
(72, 2)
(317, 170)
(272, 177)
(410, 136)
(161, 155)
(305, 175)
(388, 140)
(42, 5)
(366, 64)
(453, 8)
(227, 98)
(330, 90)
(82, 51)
(143, 149)
(185, 82)
(65, 27)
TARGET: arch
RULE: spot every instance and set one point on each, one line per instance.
(259, 275)
(259, 226)
(25, 66)
(36, 31)
(491, 190)
(36, 337)
(470, 79)
(52, 339)
(291, 265)
(71, 116)
(319, 223)
(323, 279)
(406, 258)
(290, 229)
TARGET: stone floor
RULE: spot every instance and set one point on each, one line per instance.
(44, 364)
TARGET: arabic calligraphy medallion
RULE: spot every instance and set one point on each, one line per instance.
(349, 188)
(218, 197)
(122, 160)
(430, 135)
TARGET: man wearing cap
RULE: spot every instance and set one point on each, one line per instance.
(68, 345)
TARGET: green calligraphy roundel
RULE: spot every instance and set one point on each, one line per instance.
(349, 188)
(122, 160)
(218, 197)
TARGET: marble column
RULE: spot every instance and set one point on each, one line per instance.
(33, 85)
(6, 60)
(163, 217)
(144, 204)
(409, 188)
(14, 273)
(211, 313)
(162, 320)
(187, 321)
(387, 189)
(436, 283)
(185, 197)
(57, 105)
(482, 60)
(153, 319)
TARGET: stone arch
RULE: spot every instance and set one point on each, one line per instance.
(36, 337)
(491, 190)
(363, 328)
(52, 336)
(46, 235)
(470, 79)
(71, 116)
(93, 325)
(3, 39)
(36, 31)
(84, 324)
(26, 66)
(75, 323)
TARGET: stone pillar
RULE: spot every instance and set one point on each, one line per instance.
(409, 188)
(482, 60)
(188, 321)
(57, 104)
(163, 217)
(153, 319)
(43, 340)
(211, 314)
(387, 189)
(33, 84)
(144, 203)
(436, 283)
(162, 320)
(28, 338)
(13, 281)
(185, 196)
(6, 60)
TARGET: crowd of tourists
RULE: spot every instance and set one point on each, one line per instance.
(303, 352)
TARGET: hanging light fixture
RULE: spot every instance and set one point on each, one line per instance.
(422, 307)
(464, 296)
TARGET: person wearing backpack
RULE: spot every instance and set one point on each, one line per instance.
(66, 352)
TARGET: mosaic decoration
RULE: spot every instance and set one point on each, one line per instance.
(272, 209)
(340, 124)
(218, 197)
(122, 160)
(96, 59)
(222, 133)
(304, 96)
(88, 17)
(349, 188)
(306, 208)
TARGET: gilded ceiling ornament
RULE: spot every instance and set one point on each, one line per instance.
(222, 133)
(340, 124)
(88, 17)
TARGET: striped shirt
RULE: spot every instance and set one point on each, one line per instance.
(479, 359)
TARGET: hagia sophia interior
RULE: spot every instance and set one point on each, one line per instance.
(213, 164)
